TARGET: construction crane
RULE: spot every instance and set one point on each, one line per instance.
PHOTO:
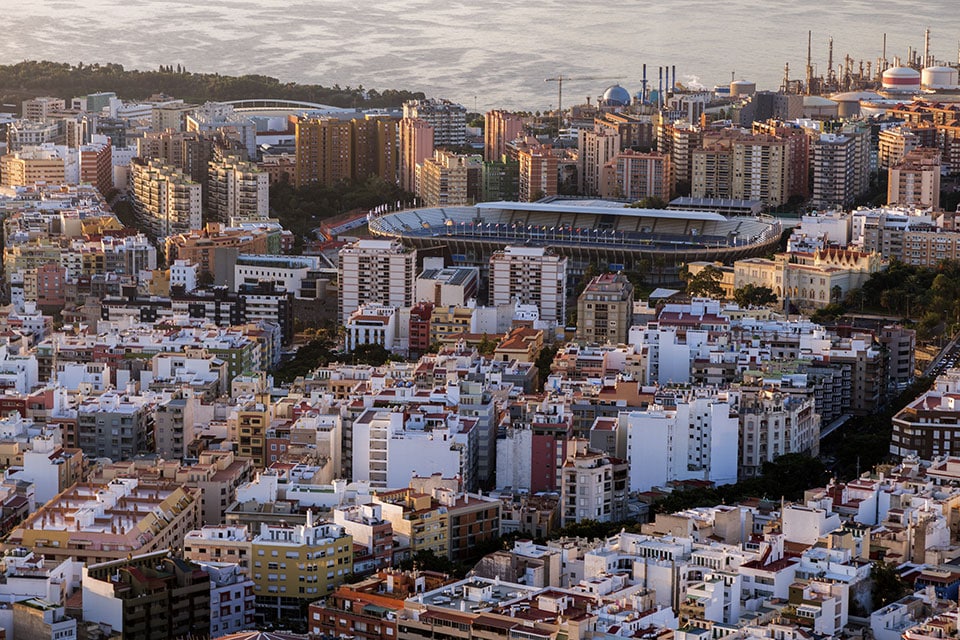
(559, 80)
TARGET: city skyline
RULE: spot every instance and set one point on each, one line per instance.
(495, 55)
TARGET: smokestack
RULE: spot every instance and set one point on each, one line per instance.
(884, 52)
(673, 87)
(643, 91)
(660, 91)
(926, 48)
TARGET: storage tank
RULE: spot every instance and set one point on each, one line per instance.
(849, 102)
(939, 78)
(742, 88)
(901, 80)
(818, 107)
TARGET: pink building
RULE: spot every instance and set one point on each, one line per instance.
(500, 127)
(416, 145)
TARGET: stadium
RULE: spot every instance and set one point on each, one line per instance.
(606, 233)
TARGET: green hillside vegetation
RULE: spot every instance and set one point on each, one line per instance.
(32, 78)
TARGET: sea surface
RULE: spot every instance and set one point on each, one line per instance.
(484, 53)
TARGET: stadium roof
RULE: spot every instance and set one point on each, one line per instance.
(600, 207)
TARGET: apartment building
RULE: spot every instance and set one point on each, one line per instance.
(376, 271)
(152, 596)
(237, 190)
(292, 566)
(165, 200)
(530, 275)
(605, 309)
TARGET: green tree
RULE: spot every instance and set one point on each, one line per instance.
(544, 360)
(486, 346)
(706, 283)
(650, 202)
(372, 354)
(887, 585)
(750, 295)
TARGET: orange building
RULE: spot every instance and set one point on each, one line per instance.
(539, 170)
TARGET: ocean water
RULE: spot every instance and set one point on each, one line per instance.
(484, 53)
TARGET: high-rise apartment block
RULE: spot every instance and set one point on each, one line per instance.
(378, 272)
(895, 143)
(330, 150)
(448, 119)
(500, 127)
(596, 148)
(324, 151)
(742, 166)
(539, 173)
(237, 190)
(679, 140)
(166, 201)
(416, 145)
(837, 179)
(605, 309)
(915, 182)
(634, 175)
(530, 275)
(684, 435)
(449, 179)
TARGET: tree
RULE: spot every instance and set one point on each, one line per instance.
(706, 283)
(650, 202)
(887, 586)
(750, 295)
(486, 346)
(371, 353)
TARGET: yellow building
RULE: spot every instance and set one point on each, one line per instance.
(247, 426)
(449, 322)
(418, 520)
(809, 280)
(292, 566)
(29, 166)
(449, 179)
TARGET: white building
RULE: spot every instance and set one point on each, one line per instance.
(185, 274)
(447, 286)
(691, 436)
(287, 271)
(376, 271)
(372, 324)
(389, 447)
(232, 603)
(530, 275)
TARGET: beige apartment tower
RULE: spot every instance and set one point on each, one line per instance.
(605, 309)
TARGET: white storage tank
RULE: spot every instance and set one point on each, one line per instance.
(939, 78)
(742, 88)
(901, 80)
